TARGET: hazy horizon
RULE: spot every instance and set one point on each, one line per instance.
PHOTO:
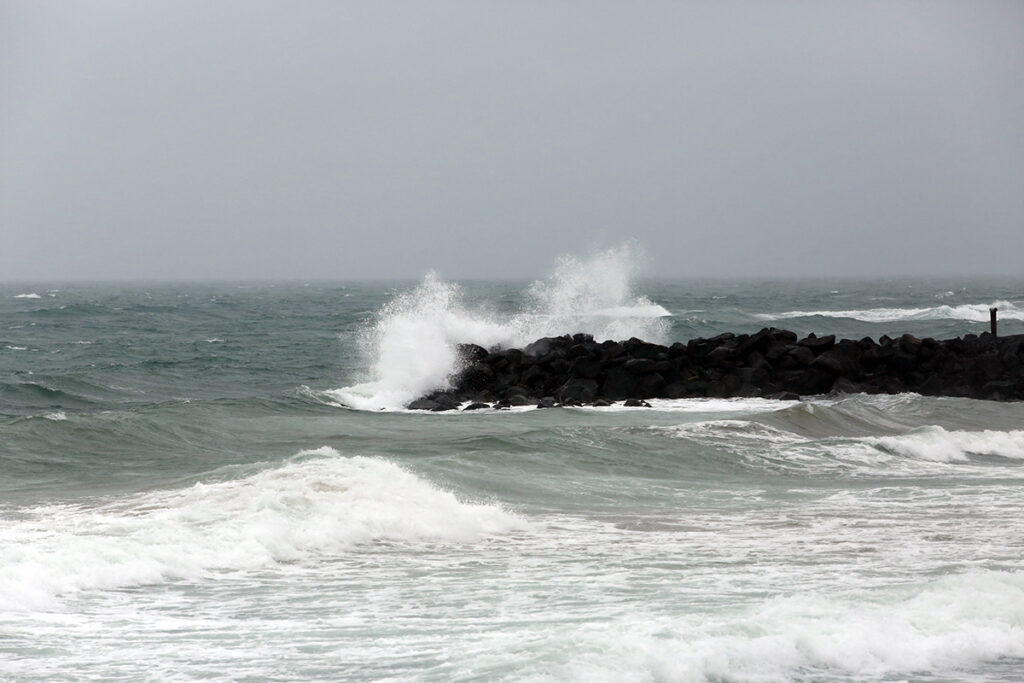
(260, 141)
(412, 280)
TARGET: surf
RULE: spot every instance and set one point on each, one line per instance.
(316, 505)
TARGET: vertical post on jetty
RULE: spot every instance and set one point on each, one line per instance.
(992, 319)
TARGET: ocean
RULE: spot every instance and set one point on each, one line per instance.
(219, 481)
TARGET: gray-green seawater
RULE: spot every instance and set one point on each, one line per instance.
(185, 495)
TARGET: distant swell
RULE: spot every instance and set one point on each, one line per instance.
(968, 312)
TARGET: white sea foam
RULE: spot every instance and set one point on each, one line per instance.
(946, 626)
(699, 405)
(30, 295)
(968, 312)
(318, 504)
(16, 348)
(412, 346)
(58, 416)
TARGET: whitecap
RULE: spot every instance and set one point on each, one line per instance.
(31, 295)
(940, 445)
(700, 405)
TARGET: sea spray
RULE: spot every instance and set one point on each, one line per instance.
(412, 345)
(594, 295)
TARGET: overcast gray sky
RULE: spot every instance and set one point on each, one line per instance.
(179, 139)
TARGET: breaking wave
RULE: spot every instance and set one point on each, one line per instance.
(317, 504)
(940, 445)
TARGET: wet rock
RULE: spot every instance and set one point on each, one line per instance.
(650, 386)
(471, 353)
(818, 344)
(618, 384)
(640, 366)
(785, 396)
(422, 404)
(802, 355)
(636, 403)
(587, 367)
(578, 390)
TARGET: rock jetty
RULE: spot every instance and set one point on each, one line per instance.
(773, 363)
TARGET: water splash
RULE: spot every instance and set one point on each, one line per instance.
(593, 295)
(412, 345)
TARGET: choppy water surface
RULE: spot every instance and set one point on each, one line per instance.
(198, 481)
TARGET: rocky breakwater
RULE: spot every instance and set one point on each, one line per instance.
(773, 363)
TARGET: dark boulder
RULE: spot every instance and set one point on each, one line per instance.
(471, 353)
(585, 367)
(423, 404)
(578, 390)
(640, 366)
(803, 356)
(475, 377)
(818, 344)
(771, 362)
(650, 386)
(636, 403)
(618, 384)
